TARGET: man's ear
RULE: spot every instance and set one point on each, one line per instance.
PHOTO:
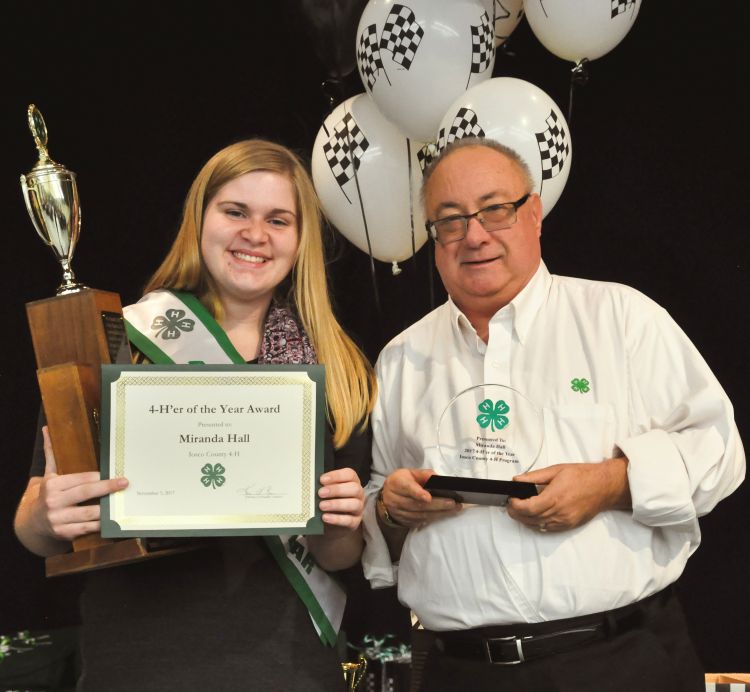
(535, 206)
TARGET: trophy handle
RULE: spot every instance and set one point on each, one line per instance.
(73, 242)
(38, 131)
(28, 192)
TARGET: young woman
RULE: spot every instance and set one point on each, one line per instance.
(225, 617)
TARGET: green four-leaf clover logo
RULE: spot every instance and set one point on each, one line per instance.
(170, 326)
(213, 476)
(493, 416)
(580, 385)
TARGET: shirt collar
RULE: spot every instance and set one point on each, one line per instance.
(524, 308)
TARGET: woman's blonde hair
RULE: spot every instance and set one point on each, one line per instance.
(350, 382)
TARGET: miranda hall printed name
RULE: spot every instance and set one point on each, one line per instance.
(189, 438)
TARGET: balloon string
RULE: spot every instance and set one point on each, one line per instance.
(570, 102)
(373, 275)
(579, 75)
(411, 201)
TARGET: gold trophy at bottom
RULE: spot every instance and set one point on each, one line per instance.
(354, 673)
(73, 334)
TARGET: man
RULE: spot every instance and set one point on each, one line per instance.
(569, 589)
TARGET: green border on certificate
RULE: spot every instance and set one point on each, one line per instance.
(212, 450)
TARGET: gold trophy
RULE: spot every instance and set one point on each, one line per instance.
(51, 197)
(354, 672)
(73, 334)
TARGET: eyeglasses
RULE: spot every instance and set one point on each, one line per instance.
(496, 217)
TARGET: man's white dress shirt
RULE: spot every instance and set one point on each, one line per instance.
(650, 396)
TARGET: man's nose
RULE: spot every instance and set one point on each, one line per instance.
(476, 234)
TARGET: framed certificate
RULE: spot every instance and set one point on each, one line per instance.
(212, 450)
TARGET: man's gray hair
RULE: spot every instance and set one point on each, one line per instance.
(488, 143)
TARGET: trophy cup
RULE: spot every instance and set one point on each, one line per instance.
(73, 334)
(488, 434)
(51, 197)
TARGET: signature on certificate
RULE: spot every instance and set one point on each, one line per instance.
(260, 492)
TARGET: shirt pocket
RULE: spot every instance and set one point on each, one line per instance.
(578, 433)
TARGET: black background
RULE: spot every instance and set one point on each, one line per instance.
(137, 95)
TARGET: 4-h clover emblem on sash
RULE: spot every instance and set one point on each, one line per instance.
(580, 385)
(213, 476)
(172, 324)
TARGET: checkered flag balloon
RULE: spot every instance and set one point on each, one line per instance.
(368, 56)
(620, 6)
(482, 45)
(344, 149)
(401, 35)
(553, 147)
(425, 156)
(465, 124)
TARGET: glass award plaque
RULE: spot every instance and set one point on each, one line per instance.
(490, 432)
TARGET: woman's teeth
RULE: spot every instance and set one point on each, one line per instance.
(249, 258)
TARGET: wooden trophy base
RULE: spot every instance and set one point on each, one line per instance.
(111, 553)
(73, 334)
(84, 327)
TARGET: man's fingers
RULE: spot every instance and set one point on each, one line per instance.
(410, 512)
(442, 504)
(407, 483)
(421, 476)
(428, 515)
(541, 522)
(540, 476)
(430, 505)
(409, 504)
(531, 508)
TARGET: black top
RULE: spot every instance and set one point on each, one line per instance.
(223, 617)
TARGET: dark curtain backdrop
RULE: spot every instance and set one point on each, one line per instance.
(137, 95)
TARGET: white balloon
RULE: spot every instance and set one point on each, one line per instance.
(520, 116)
(574, 30)
(416, 56)
(382, 199)
(508, 14)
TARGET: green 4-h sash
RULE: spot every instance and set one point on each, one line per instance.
(175, 327)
